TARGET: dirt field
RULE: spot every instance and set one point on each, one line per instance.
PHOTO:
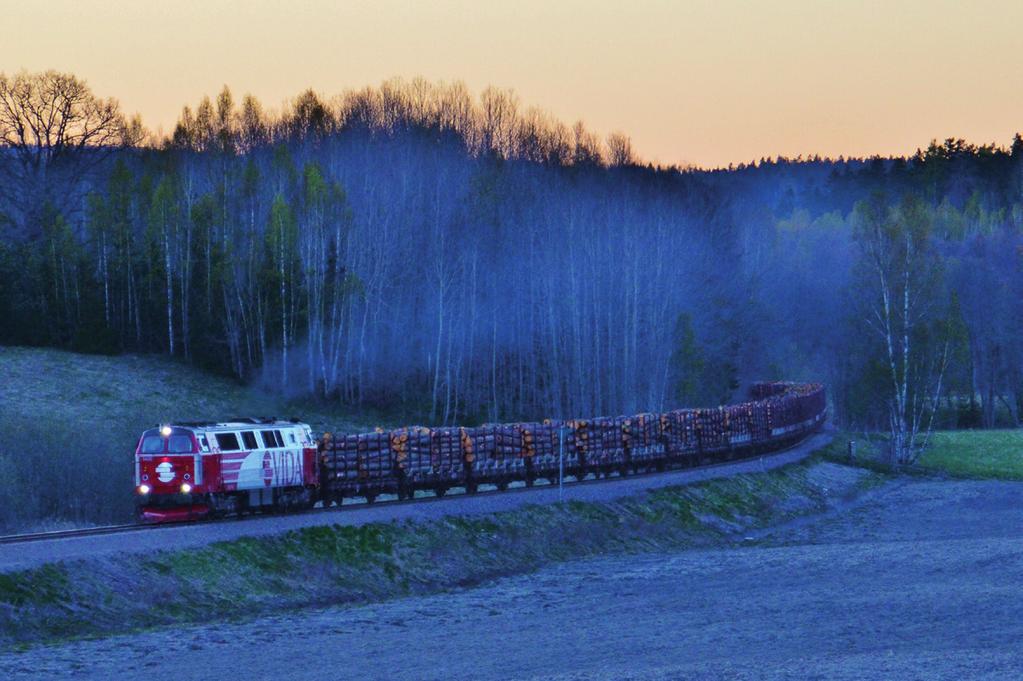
(921, 580)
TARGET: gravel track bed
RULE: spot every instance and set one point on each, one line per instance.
(920, 579)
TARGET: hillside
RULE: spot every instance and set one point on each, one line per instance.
(69, 423)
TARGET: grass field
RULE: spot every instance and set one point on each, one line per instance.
(69, 424)
(977, 453)
(996, 454)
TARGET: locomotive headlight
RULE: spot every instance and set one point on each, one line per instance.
(186, 488)
(143, 489)
(165, 431)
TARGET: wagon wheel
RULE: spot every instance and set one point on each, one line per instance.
(370, 498)
(502, 485)
(441, 491)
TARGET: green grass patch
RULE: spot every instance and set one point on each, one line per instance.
(47, 586)
(976, 453)
(996, 454)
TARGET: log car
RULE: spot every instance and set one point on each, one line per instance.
(416, 458)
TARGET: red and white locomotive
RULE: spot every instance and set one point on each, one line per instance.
(189, 470)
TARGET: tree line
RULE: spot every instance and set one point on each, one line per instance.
(463, 259)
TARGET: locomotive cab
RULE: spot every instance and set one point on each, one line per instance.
(168, 474)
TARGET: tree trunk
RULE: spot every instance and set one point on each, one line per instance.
(170, 288)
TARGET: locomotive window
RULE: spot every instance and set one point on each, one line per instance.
(205, 443)
(179, 444)
(292, 437)
(152, 444)
(280, 440)
(228, 442)
(249, 438)
(269, 441)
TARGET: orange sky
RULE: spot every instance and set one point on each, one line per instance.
(704, 83)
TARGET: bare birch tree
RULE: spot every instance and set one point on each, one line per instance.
(900, 274)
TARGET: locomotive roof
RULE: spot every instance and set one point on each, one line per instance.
(244, 423)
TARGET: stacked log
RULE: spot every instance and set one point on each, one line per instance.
(508, 452)
(645, 444)
(710, 430)
(412, 451)
(468, 451)
(760, 429)
(673, 432)
(580, 446)
(740, 425)
(487, 464)
(544, 444)
(358, 460)
(446, 458)
(606, 447)
(386, 461)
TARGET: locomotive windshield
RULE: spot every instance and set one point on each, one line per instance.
(179, 444)
(175, 444)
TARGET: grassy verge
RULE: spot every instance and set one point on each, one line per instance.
(868, 451)
(345, 565)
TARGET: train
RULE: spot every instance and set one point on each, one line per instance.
(188, 471)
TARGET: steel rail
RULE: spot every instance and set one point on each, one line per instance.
(520, 488)
(79, 532)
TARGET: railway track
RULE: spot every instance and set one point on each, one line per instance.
(351, 504)
(68, 534)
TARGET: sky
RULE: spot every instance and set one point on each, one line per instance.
(703, 83)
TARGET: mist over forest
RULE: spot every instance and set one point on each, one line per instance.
(415, 248)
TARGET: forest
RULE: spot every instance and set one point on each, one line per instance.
(455, 258)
